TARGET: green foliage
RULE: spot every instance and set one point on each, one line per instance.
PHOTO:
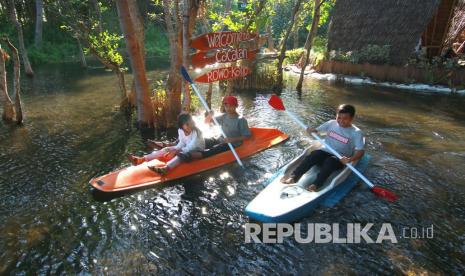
(373, 54)
(156, 42)
(319, 44)
(106, 45)
(237, 18)
(325, 12)
(53, 53)
(316, 53)
(422, 61)
(159, 101)
(430, 66)
(283, 12)
(57, 45)
(195, 102)
(68, 19)
(341, 56)
(281, 17)
(98, 37)
(293, 56)
(231, 21)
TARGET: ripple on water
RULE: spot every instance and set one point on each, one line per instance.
(52, 223)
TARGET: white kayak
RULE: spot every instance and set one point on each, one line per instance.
(280, 202)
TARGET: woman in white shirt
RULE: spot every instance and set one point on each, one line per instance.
(190, 140)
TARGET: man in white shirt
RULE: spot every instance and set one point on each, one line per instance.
(342, 136)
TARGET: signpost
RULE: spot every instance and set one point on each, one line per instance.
(216, 41)
(201, 59)
(225, 73)
(211, 41)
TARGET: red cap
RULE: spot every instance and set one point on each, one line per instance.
(231, 100)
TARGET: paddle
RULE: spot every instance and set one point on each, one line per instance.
(204, 103)
(277, 103)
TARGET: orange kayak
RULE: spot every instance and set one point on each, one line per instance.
(141, 176)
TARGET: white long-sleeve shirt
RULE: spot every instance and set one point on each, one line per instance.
(192, 142)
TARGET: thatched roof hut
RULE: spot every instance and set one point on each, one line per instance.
(397, 23)
(444, 28)
(456, 25)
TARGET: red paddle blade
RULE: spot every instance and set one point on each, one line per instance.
(276, 102)
(390, 196)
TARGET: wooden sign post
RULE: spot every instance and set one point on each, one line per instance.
(211, 41)
(225, 73)
(201, 59)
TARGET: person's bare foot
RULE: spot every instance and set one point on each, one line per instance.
(311, 188)
(135, 160)
(287, 180)
(159, 170)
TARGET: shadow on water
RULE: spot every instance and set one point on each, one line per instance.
(53, 222)
(100, 196)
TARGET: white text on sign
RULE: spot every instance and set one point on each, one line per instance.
(227, 73)
(219, 40)
(231, 55)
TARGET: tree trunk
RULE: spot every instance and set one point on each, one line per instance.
(206, 29)
(295, 32)
(127, 99)
(139, 28)
(173, 86)
(227, 7)
(270, 38)
(144, 104)
(209, 95)
(308, 43)
(138, 23)
(190, 17)
(185, 54)
(295, 37)
(176, 28)
(282, 52)
(39, 18)
(229, 83)
(253, 17)
(19, 29)
(81, 54)
(16, 82)
(8, 107)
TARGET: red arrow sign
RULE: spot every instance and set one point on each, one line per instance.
(200, 59)
(219, 40)
(225, 73)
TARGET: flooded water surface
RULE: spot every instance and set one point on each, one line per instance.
(53, 222)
